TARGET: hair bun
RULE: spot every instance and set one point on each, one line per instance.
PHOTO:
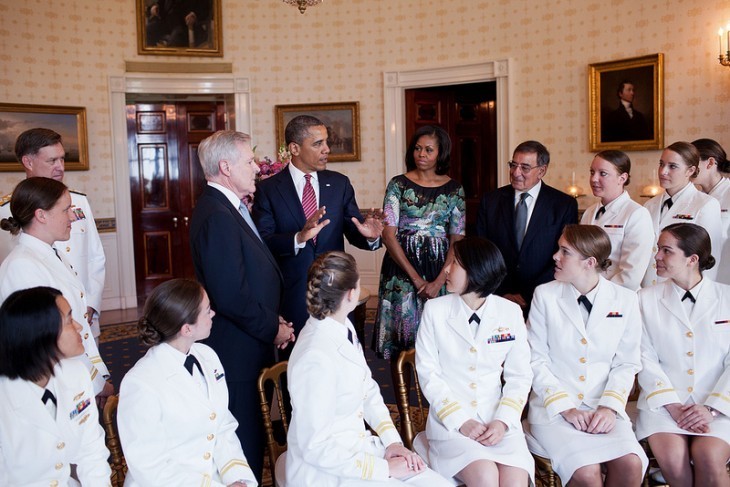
(148, 334)
(709, 263)
(10, 224)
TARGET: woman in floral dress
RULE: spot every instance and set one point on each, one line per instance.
(424, 215)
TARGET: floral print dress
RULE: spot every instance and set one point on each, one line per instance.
(425, 218)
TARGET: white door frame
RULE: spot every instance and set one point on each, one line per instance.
(395, 84)
(160, 84)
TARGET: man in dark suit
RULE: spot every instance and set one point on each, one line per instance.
(327, 197)
(526, 228)
(242, 280)
(625, 122)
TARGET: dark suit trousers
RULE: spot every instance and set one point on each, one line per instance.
(244, 403)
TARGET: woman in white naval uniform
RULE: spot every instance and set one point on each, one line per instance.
(48, 418)
(685, 383)
(42, 214)
(173, 415)
(712, 180)
(333, 395)
(466, 343)
(585, 333)
(627, 223)
(682, 201)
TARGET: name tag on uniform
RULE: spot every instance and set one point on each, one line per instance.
(80, 407)
(684, 217)
(613, 226)
(614, 314)
(218, 375)
(723, 322)
(78, 213)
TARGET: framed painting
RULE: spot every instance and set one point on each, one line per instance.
(341, 119)
(70, 122)
(626, 103)
(179, 27)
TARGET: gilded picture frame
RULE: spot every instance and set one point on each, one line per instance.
(626, 104)
(341, 119)
(188, 28)
(70, 122)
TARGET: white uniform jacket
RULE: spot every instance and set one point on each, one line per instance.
(575, 363)
(172, 433)
(34, 263)
(333, 394)
(721, 192)
(35, 449)
(689, 206)
(460, 374)
(630, 230)
(83, 250)
(685, 358)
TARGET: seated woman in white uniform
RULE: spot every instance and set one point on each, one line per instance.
(466, 343)
(173, 415)
(681, 201)
(713, 180)
(42, 214)
(585, 333)
(333, 395)
(48, 418)
(684, 402)
(627, 223)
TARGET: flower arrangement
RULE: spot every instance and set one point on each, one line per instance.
(269, 167)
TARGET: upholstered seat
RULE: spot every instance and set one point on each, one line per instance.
(271, 379)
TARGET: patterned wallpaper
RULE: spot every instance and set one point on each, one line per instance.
(61, 52)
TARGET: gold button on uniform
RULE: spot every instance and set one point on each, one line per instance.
(362, 435)
(212, 416)
(68, 249)
(206, 456)
(473, 404)
(691, 372)
(690, 389)
(690, 354)
(61, 445)
(580, 396)
(583, 341)
(472, 368)
(86, 336)
(82, 295)
(54, 483)
(583, 360)
(582, 378)
(473, 385)
(690, 334)
(59, 466)
(210, 437)
(473, 350)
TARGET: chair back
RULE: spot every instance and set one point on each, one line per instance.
(116, 460)
(270, 380)
(412, 418)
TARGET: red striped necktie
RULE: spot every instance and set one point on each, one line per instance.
(309, 200)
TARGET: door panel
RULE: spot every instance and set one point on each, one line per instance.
(165, 182)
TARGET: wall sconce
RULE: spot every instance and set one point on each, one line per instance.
(573, 189)
(651, 190)
(302, 4)
(724, 59)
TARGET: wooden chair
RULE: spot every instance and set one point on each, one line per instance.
(412, 420)
(273, 376)
(116, 460)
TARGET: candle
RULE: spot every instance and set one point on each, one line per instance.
(727, 29)
(719, 38)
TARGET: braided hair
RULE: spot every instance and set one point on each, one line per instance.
(330, 277)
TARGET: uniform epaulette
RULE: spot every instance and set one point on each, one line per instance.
(5, 199)
(76, 192)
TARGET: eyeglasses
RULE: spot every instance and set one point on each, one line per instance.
(525, 168)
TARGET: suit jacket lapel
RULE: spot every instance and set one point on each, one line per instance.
(29, 405)
(508, 213)
(673, 305)
(604, 300)
(456, 321)
(569, 307)
(538, 217)
(288, 192)
(706, 303)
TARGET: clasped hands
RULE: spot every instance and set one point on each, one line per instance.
(402, 462)
(285, 335)
(371, 227)
(692, 417)
(602, 420)
(487, 434)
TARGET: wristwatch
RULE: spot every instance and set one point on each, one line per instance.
(712, 411)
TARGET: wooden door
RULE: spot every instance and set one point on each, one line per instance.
(165, 182)
(469, 114)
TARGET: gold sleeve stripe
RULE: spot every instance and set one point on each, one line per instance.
(384, 426)
(94, 373)
(444, 412)
(95, 359)
(512, 404)
(660, 391)
(233, 463)
(616, 396)
(206, 481)
(367, 467)
(555, 397)
(721, 396)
